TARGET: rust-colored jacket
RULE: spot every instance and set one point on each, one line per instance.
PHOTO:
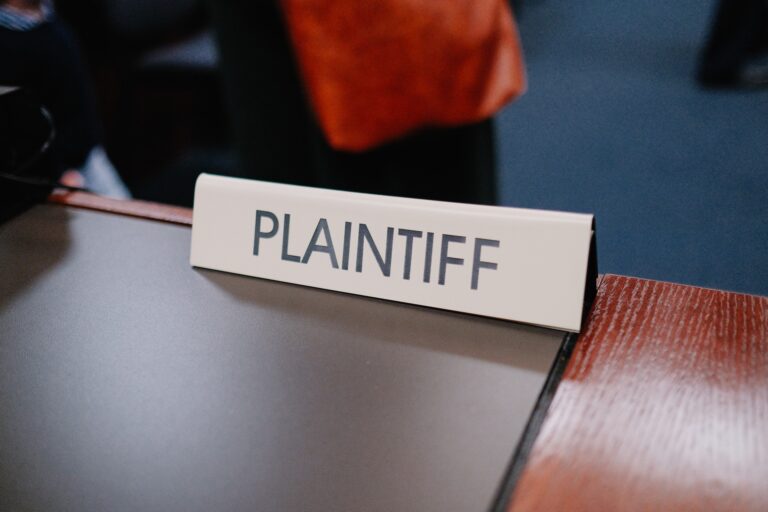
(375, 70)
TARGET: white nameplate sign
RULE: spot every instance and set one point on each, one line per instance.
(515, 264)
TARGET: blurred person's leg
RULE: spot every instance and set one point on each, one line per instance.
(278, 139)
(739, 32)
(101, 177)
(447, 164)
(263, 92)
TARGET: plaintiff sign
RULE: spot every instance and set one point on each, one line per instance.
(509, 263)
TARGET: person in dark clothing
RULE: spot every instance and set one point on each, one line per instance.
(736, 45)
(39, 54)
(278, 138)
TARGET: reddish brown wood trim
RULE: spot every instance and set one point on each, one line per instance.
(663, 406)
(132, 208)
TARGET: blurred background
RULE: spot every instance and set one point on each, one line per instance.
(613, 123)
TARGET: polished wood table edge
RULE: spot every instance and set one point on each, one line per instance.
(663, 405)
(130, 207)
(601, 277)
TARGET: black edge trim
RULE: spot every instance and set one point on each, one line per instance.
(532, 428)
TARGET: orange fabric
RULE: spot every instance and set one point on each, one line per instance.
(377, 69)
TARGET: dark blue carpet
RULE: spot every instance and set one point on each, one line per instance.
(614, 124)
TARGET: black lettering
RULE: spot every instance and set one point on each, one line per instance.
(259, 234)
(409, 235)
(445, 260)
(477, 263)
(385, 264)
(322, 227)
(428, 257)
(286, 234)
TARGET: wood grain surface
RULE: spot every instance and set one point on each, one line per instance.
(663, 406)
(131, 208)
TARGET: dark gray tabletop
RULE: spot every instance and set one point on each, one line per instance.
(131, 381)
